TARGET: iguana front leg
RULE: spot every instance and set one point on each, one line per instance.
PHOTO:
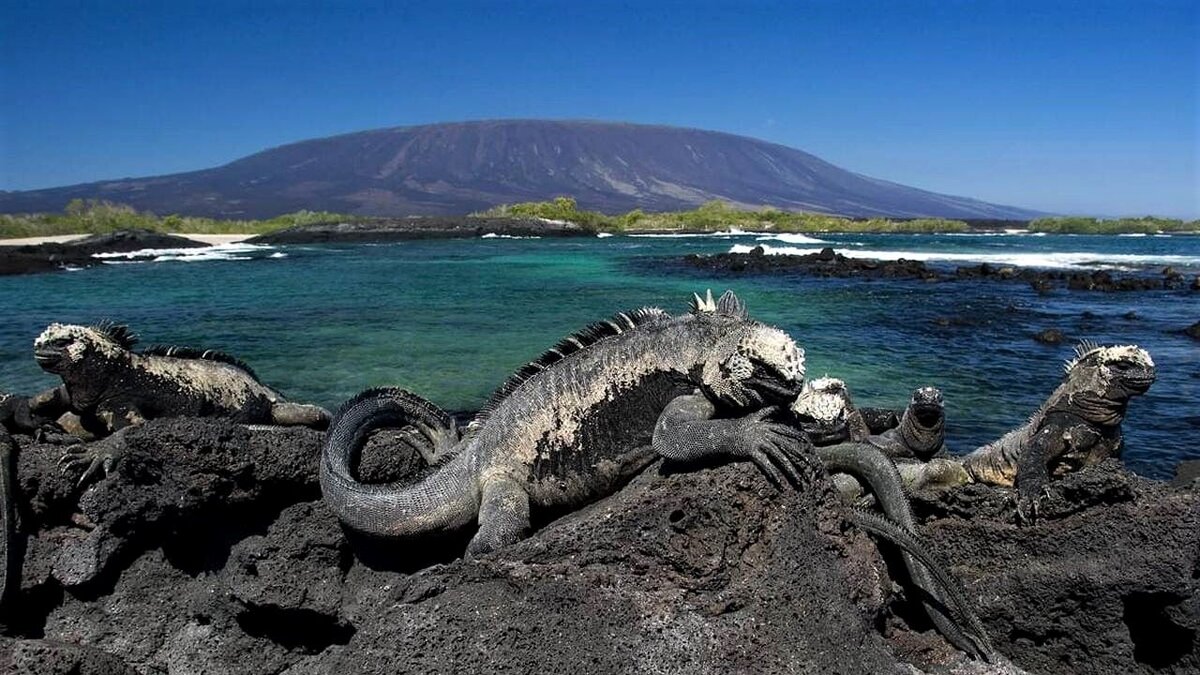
(1033, 471)
(104, 453)
(503, 515)
(686, 432)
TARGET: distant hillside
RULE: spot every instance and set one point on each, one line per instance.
(446, 169)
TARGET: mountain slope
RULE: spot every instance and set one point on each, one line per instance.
(461, 167)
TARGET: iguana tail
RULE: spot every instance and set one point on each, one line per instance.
(10, 562)
(443, 497)
(974, 642)
(879, 472)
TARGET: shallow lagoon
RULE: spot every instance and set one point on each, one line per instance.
(451, 319)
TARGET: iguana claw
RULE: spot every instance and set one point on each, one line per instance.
(92, 458)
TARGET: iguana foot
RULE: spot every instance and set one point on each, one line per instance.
(93, 457)
(1029, 504)
(778, 450)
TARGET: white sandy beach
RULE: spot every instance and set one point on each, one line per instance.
(213, 239)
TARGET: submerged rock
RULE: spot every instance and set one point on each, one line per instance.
(214, 554)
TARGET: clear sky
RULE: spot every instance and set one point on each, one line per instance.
(1083, 107)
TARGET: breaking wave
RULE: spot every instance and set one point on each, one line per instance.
(493, 235)
(237, 251)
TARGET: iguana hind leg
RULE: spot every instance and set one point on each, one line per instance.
(503, 515)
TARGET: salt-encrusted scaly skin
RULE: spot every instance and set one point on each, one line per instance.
(581, 420)
(114, 387)
(826, 414)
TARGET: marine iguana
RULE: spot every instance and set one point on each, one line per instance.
(111, 385)
(922, 430)
(1078, 425)
(825, 413)
(576, 423)
(588, 415)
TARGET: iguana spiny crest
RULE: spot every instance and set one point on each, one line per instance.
(63, 347)
(1100, 380)
(754, 364)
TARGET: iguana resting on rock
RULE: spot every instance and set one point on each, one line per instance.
(1078, 425)
(111, 385)
(589, 414)
(579, 421)
(922, 430)
(825, 413)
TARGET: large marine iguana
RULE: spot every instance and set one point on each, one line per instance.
(591, 413)
(1078, 425)
(115, 387)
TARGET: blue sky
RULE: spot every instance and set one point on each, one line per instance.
(1082, 107)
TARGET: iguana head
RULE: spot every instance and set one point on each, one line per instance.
(66, 348)
(822, 410)
(927, 406)
(752, 364)
(1099, 381)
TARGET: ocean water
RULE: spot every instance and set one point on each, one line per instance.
(451, 319)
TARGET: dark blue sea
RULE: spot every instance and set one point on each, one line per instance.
(451, 319)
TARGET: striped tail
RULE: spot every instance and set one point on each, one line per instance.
(443, 497)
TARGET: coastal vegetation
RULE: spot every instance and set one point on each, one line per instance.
(715, 216)
(1083, 225)
(98, 217)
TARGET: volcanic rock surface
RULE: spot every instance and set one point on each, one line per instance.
(208, 550)
(829, 263)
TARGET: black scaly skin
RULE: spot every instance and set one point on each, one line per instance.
(10, 564)
(577, 423)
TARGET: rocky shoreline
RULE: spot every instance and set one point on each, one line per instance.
(424, 227)
(208, 550)
(828, 263)
(77, 254)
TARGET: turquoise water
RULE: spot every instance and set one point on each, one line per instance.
(451, 319)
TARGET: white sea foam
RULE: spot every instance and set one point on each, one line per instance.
(237, 251)
(732, 232)
(1132, 234)
(493, 235)
(792, 238)
(603, 235)
(1059, 260)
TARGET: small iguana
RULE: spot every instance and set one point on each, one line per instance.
(1078, 425)
(586, 416)
(922, 430)
(111, 385)
(825, 413)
